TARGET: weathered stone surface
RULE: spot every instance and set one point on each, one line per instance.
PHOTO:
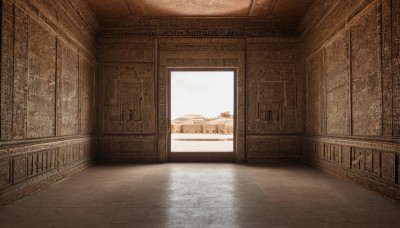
(5, 174)
(337, 70)
(129, 98)
(272, 148)
(41, 82)
(366, 75)
(388, 166)
(67, 90)
(7, 68)
(396, 65)
(315, 94)
(271, 104)
(128, 149)
(20, 74)
(87, 95)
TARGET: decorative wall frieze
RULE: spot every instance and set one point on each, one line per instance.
(234, 33)
(360, 143)
(198, 27)
(44, 180)
(17, 149)
(368, 163)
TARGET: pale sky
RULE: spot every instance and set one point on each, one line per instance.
(207, 93)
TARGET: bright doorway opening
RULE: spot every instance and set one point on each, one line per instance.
(202, 111)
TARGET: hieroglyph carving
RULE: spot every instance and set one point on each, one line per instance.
(314, 96)
(336, 66)
(272, 98)
(396, 66)
(42, 42)
(87, 95)
(129, 97)
(67, 91)
(366, 74)
(41, 82)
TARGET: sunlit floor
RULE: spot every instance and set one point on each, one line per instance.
(202, 195)
(201, 142)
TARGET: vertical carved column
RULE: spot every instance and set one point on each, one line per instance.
(20, 74)
(396, 65)
(7, 74)
(387, 76)
(241, 110)
(314, 96)
(162, 107)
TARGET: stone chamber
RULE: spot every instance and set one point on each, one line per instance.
(78, 88)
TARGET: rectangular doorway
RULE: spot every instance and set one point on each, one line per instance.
(202, 115)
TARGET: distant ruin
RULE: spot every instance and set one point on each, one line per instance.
(198, 124)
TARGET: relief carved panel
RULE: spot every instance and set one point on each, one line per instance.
(314, 96)
(20, 171)
(271, 104)
(5, 173)
(366, 75)
(337, 70)
(41, 82)
(366, 160)
(67, 90)
(20, 74)
(389, 166)
(396, 66)
(129, 98)
(87, 95)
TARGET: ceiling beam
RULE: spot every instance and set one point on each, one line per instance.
(128, 8)
(252, 5)
(271, 8)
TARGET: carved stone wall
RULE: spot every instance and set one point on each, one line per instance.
(127, 100)
(47, 94)
(351, 67)
(134, 93)
(273, 94)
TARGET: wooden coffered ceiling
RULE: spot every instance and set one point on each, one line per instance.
(123, 9)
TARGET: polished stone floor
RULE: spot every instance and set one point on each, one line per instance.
(202, 195)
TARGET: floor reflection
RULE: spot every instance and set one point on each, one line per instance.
(202, 195)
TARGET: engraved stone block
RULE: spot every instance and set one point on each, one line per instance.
(19, 169)
(388, 166)
(5, 174)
